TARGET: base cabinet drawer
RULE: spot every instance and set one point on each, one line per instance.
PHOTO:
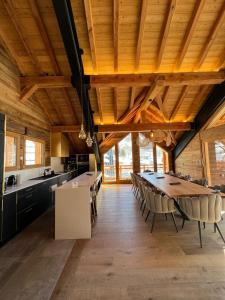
(27, 216)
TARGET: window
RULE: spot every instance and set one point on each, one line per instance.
(110, 165)
(33, 153)
(11, 151)
(216, 162)
(162, 160)
(146, 158)
(125, 158)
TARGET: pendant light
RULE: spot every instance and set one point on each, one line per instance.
(89, 140)
(82, 134)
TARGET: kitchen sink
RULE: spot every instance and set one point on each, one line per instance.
(44, 177)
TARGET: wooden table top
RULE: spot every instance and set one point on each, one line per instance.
(185, 188)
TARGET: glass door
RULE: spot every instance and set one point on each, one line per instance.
(125, 158)
(110, 165)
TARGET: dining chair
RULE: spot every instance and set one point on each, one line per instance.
(159, 204)
(204, 208)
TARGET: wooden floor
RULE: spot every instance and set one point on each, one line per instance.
(124, 261)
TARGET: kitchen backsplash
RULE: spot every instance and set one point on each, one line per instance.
(27, 174)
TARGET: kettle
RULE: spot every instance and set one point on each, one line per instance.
(11, 180)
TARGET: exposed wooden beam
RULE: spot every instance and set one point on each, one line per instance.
(179, 102)
(27, 92)
(211, 37)
(115, 104)
(144, 7)
(141, 80)
(99, 100)
(116, 8)
(132, 97)
(203, 91)
(190, 31)
(91, 32)
(165, 31)
(161, 106)
(120, 128)
(152, 116)
(46, 81)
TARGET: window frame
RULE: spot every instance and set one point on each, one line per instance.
(17, 137)
(24, 153)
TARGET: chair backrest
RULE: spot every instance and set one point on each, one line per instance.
(158, 203)
(205, 208)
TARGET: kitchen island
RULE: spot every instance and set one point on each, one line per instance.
(72, 207)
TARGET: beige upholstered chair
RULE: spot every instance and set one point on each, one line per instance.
(159, 204)
(205, 208)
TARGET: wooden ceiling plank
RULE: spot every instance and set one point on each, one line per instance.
(179, 102)
(144, 7)
(99, 101)
(91, 33)
(116, 8)
(44, 109)
(203, 90)
(141, 80)
(115, 104)
(11, 13)
(165, 31)
(190, 31)
(160, 103)
(211, 37)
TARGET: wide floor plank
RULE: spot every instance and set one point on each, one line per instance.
(124, 261)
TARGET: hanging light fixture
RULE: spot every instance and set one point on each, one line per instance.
(89, 140)
(82, 134)
(151, 134)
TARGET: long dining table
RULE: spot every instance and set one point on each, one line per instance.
(175, 187)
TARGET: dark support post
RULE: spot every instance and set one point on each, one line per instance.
(67, 27)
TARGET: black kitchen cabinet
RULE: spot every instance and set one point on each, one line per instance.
(9, 224)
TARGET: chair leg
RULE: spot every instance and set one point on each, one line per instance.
(204, 225)
(183, 223)
(174, 222)
(166, 216)
(147, 216)
(200, 234)
(214, 228)
(217, 227)
(153, 222)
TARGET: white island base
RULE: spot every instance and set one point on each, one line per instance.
(72, 207)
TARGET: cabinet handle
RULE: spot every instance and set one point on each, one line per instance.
(28, 190)
(28, 196)
(28, 210)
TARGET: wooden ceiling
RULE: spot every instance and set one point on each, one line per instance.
(166, 51)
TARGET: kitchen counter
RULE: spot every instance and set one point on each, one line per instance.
(86, 179)
(72, 207)
(29, 183)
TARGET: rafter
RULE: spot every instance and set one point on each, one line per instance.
(120, 128)
(165, 31)
(211, 37)
(179, 102)
(91, 32)
(141, 80)
(46, 81)
(144, 7)
(116, 8)
(115, 104)
(190, 31)
(99, 100)
(151, 116)
(27, 92)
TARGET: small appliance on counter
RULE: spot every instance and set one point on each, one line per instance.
(11, 180)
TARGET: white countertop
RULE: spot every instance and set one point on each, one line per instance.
(82, 180)
(28, 183)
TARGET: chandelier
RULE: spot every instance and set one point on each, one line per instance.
(156, 136)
